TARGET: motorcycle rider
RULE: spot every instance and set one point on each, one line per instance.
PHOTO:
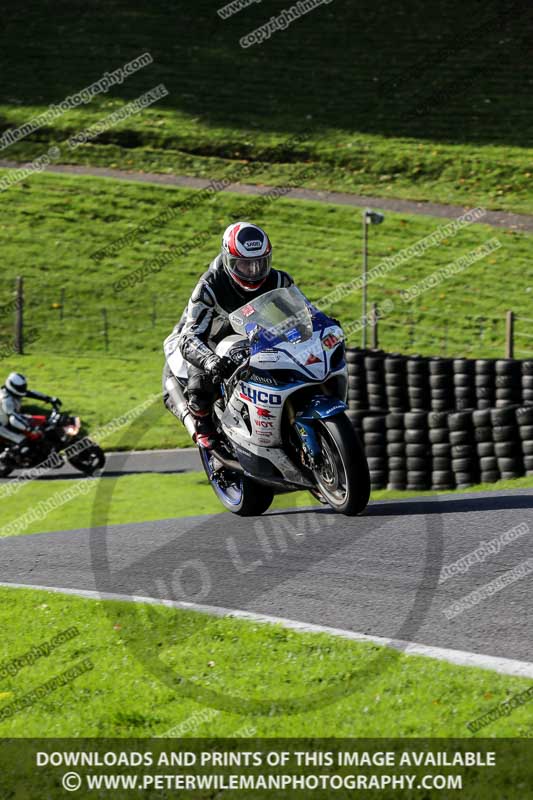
(241, 272)
(14, 426)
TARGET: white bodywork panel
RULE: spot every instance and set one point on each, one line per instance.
(265, 404)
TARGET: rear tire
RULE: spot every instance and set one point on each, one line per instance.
(242, 496)
(346, 457)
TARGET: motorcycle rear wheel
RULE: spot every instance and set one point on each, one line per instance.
(238, 493)
(343, 479)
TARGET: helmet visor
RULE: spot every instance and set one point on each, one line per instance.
(250, 269)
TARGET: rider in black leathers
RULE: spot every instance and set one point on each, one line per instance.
(240, 273)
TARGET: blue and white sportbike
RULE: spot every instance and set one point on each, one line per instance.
(281, 415)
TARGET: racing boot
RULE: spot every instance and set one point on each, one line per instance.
(206, 434)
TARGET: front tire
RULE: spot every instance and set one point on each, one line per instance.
(6, 469)
(237, 493)
(343, 478)
(89, 460)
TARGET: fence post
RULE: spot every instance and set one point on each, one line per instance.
(374, 344)
(509, 335)
(412, 333)
(445, 340)
(19, 317)
(106, 329)
(365, 276)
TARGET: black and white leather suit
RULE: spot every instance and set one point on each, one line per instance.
(204, 323)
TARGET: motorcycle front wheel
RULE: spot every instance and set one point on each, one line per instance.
(6, 468)
(89, 460)
(342, 478)
(237, 493)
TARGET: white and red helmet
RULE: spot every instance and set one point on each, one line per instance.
(247, 255)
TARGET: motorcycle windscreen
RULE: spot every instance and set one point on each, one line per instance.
(282, 315)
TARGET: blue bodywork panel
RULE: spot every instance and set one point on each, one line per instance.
(321, 407)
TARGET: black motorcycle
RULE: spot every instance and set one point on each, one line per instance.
(64, 440)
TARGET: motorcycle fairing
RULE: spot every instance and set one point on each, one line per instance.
(321, 407)
(252, 418)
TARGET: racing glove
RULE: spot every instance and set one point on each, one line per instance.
(218, 368)
(213, 368)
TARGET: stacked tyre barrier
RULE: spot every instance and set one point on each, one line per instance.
(442, 476)
(441, 384)
(375, 444)
(507, 446)
(486, 454)
(485, 383)
(418, 384)
(465, 465)
(375, 381)
(438, 423)
(417, 449)
(464, 384)
(357, 396)
(524, 418)
(397, 457)
(527, 381)
(396, 397)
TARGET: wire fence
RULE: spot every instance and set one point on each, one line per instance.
(32, 322)
(506, 335)
(523, 337)
(62, 322)
(445, 335)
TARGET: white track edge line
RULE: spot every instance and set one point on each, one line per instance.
(462, 658)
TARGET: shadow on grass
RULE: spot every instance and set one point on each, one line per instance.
(457, 72)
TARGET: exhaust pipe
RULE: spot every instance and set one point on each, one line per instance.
(177, 404)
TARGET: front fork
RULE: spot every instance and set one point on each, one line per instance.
(320, 407)
(311, 453)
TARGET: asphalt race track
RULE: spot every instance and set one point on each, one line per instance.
(134, 462)
(377, 574)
